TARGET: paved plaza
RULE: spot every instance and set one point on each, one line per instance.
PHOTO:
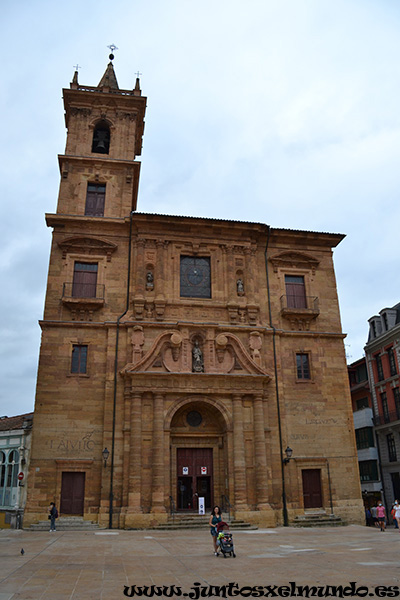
(98, 565)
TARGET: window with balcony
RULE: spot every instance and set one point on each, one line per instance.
(79, 359)
(385, 409)
(85, 280)
(303, 366)
(392, 362)
(295, 291)
(379, 367)
(95, 200)
(365, 438)
(391, 446)
(368, 470)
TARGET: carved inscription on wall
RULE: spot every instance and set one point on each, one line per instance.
(68, 444)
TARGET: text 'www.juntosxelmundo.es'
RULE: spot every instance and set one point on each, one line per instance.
(291, 590)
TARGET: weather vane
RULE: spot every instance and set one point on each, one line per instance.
(76, 67)
(113, 47)
(138, 74)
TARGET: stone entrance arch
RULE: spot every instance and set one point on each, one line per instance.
(199, 431)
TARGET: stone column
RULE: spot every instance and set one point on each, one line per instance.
(157, 497)
(126, 431)
(135, 470)
(239, 455)
(159, 282)
(249, 275)
(260, 455)
(232, 295)
(140, 278)
(159, 269)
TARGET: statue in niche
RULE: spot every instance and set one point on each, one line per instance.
(197, 359)
(149, 280)
(240, 287)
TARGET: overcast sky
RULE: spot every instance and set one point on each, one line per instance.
(284, 112)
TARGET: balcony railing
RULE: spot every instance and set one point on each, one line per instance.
(388, 417)
(300, 303)
(83, 291)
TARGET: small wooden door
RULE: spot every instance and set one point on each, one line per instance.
(312, 491)
(72, 493)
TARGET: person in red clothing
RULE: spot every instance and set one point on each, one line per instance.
(380, 515)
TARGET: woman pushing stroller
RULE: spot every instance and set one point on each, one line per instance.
(215, 518)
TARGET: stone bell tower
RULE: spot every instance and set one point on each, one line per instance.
(99, 173)
(86, 291)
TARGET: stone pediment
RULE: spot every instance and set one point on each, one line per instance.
(294, 260)
(87, 245)
(171, 352)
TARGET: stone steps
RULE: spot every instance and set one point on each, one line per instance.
(199, 522)
(317, 520)
(67, 524)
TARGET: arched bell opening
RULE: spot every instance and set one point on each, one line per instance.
(199, 455)
(101, 138)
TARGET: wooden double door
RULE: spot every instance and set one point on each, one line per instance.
(194, 477)
(72, 493)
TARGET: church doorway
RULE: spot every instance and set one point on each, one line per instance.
(195, 477)
(199, 455)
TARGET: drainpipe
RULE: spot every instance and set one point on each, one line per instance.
(111, 497)
(284, 504)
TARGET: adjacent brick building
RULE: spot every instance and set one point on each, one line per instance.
(383, 359)
(367, 450)
(192, 351)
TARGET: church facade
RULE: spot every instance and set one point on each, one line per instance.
(181, 356)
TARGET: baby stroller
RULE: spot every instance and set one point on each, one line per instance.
(224, 540)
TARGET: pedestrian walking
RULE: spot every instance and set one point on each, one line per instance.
(373, 513)
(53, 515)
(397, 514)
(380, 515)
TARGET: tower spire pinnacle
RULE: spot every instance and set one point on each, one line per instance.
(109, 78)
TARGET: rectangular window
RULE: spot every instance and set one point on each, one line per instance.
(368, 470)
(365, 438)
(362, 403)
(379, 367)
(391, 445)
(85, 280)
(396, 396)
(303, 366)
(295, 291)
(79, 358)
(195, 277)
(385, 409)
(95, 200)
(392, 362)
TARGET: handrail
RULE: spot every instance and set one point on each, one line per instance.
(389, 417)
(225, 504)
(172, 508)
